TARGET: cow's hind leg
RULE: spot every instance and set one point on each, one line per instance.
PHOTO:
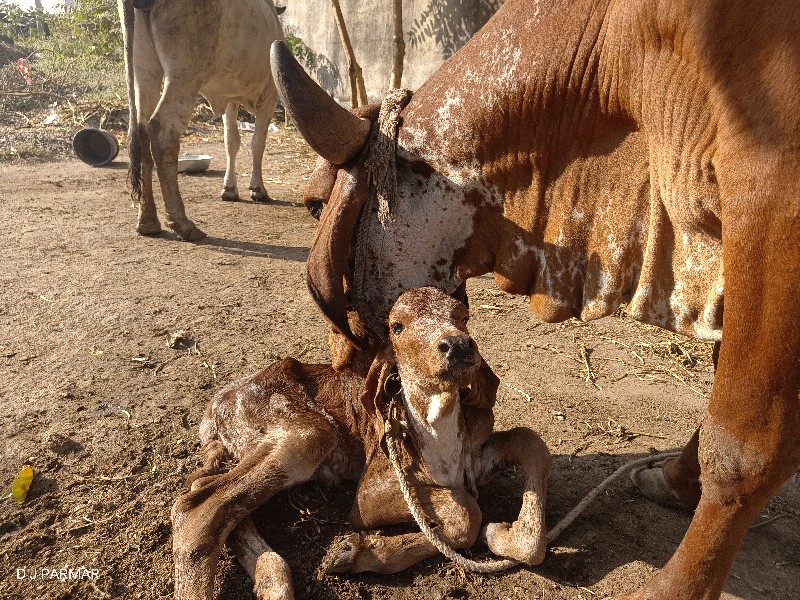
(165, 128)
(203, 518)
(148, 75)
(258, 192)
(525, 539)
(675, 482)
(233, 140)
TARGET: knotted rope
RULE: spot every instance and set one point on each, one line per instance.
(393, 431)
(381, 166)
(382, 182)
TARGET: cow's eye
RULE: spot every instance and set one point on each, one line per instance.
(466, 320)
(397, 328)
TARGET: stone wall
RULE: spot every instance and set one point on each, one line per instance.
(434, 30)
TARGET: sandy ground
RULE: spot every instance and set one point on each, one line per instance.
(106, 412)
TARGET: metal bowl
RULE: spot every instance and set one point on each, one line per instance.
(193, 163)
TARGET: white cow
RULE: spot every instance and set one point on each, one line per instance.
(174, 50)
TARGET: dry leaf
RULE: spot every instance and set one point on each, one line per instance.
(22, 483)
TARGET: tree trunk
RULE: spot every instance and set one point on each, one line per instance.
(358, 92)
(399, 46)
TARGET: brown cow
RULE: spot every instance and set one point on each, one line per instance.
(590, 153)
(294, 422)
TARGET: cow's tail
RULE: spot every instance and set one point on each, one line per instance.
(126, 16)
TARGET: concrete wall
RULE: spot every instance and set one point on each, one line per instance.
(434, 30)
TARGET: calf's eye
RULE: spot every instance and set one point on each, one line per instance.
(397, 328)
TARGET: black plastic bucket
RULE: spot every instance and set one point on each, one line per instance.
(96, 147)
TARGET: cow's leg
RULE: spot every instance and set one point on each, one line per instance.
(264, 113)
(525, 539)
(203, 518)
(676, 482)
(749, 441)
(165, 128)
(148, 76)
(233, 141)
(454, 511)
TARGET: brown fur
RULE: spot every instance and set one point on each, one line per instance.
(294, 422)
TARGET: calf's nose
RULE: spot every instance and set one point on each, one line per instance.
(457, 348)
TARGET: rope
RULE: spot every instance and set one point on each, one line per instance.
(381, 165)
(392, 429)
(381, 169)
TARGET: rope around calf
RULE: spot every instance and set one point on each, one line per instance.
(392, 428)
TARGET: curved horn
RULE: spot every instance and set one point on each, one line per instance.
(333, 132)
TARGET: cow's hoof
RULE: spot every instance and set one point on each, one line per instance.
(189, 233)
(259, 195)
(230, 195)
(342, 554)
(148, 228)
(651, 482)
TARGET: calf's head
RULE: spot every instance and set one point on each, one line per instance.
(432, 348)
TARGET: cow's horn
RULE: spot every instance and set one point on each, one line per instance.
(332, 131)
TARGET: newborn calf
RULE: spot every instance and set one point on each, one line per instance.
(295, 422)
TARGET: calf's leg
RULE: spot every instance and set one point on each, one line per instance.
(271, 577)
(525, 539)
(203, 517)
(454, 511)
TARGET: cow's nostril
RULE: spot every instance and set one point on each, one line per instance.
(444, 347)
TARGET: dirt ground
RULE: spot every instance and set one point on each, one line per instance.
(106, 412)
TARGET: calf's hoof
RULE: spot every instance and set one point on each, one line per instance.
(342, 554)
(653, 484)
(504, 541)
(230, 195)
(259, 195)
(148, 228)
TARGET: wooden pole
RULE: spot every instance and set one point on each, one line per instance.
(399, 46)
(358, 92)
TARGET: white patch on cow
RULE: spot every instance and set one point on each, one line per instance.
(616, 250)
(439, 436)
(445, 121)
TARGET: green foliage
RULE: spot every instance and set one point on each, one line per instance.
(91, 27)
(301, 52)
(17, 23)
(80, 60)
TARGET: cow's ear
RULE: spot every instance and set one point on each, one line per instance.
(328, 258)
(319, 187)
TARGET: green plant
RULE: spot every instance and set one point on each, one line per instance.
(92, 27)
(301, 52)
